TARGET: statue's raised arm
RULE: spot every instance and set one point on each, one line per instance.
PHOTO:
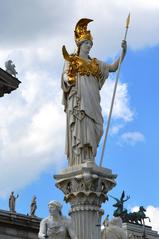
(114, 66)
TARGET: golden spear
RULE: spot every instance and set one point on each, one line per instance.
(114, 92)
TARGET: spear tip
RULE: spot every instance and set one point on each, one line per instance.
(128, 21)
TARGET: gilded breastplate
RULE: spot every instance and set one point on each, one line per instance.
(78, 65)
(83, 67)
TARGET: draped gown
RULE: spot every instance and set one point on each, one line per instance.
(84, 121)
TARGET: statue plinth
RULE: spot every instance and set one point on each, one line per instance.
(137, 231)
(85, 187)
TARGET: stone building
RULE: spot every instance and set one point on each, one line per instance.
(136, 231)
(8, 83)
(18, 226)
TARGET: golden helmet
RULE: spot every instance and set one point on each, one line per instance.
(81, 32)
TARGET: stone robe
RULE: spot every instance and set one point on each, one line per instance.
(56, 230)
(84, 116)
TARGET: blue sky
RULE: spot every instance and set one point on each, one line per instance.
(32, 122)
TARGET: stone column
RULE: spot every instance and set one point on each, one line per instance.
(85, 187)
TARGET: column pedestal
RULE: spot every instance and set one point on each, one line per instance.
(85, 187)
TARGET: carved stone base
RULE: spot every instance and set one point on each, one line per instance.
(85, 187)
(135, 231)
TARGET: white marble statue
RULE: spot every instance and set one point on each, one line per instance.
(12, 202)
(33, 206)
(114, 230)
(82, 80)
(56, 226)
(10, 68)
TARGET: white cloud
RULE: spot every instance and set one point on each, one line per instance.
(38, 144)
(115, 128)
(153, 213)
(32, 125)
(132, 138)
(29, 27)
(121, 109)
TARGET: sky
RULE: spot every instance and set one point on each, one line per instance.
(32, 122)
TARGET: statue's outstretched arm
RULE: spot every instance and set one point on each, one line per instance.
(113, 67)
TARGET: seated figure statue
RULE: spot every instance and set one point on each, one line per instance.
(56, 226)
(114, 230)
